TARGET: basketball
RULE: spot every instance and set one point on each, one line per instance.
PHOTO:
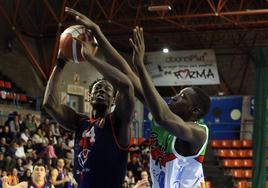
(71, 48)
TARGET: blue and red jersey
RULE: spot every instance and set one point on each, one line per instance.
(99, 160)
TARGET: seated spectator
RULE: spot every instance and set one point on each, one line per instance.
(7, 134)
(45, 126)
(20, 153)
(29, 165)
(21, 122)
(14, 124)
(130, 179)
(20, 167)
(52, 138)
(45, 139)
(3, 145)
(2, 161)
(29, 123)
(13, 178)
(50, 151)
(35, 121)
(27, 175)
(25, 135)
(29, 148)
(135, 166)
(55, 128)
(12, 149)
(38, 140)
(145, 176)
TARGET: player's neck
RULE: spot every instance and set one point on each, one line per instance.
(99, 113)
(39, 182)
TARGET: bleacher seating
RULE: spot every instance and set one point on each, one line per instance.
(236, 157)
(9, 91)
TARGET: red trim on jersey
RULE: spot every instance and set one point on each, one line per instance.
(200, 158)
(38, 186)
(116, 141)
(163, 158)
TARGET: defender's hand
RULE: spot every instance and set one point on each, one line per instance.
(82, 19)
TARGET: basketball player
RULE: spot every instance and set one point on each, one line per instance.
(179, 140)
(101, 141)
(59, 177)
(38, 179)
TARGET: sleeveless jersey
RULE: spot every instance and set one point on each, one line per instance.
(31, 184)
(60, 176)
(99, 160)
(168, 168)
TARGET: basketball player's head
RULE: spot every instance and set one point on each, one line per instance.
(39, 172)
(191, 104)
(102, 94)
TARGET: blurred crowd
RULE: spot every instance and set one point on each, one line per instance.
(27, 140)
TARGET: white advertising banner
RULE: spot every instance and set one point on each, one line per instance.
(193, 67)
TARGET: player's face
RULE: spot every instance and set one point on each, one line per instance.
(182, 103)
(39, 173)
(102, 94)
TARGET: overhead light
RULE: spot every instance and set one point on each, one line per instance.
(165, 50)
(159, 8)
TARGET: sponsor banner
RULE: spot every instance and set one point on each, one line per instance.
(195, 67)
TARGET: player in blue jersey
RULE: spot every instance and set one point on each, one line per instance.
(38, 179)
(101, 141)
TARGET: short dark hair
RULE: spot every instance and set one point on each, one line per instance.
(202, 101)
(39, 163)
(102, 79)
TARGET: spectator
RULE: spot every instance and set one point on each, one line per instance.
(45, 125)
(14, 124)
(50, 151)
(145, 176)
(29, 148)
(27, 175)
(130, 179)
(21, 122)
(29, 123)
(3, 145)
(20, 150)
(56, 129)
(51, 137)
(59, 177)
(25, 135)
(7, 134)
(2, 161)
(20, 167)
(29, 165)
(13, 178)
(35, 121)
(135, 167)
(12, 150)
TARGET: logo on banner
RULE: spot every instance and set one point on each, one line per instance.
(186, 73)
(194, 67)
